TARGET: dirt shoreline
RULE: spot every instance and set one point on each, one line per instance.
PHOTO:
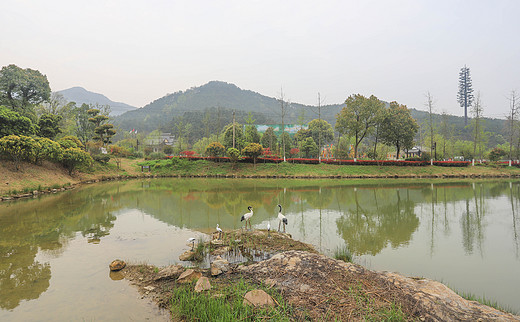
(318, 287)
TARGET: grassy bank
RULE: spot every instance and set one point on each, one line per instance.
(51, 176)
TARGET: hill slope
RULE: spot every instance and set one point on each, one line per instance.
(81, 95)
(164, 112)
(212, 95)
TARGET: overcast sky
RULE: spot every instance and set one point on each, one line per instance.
(138, 51)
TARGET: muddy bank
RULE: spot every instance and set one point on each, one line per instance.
(315, 286)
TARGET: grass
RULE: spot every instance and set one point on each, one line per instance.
(343, 253)
(489, 302)
(224, 302)
(373, 313)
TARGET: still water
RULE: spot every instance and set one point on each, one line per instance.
(55, 249)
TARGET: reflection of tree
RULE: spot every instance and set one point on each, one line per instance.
(471, 222)
(514, 212)
(368, 227)
(21, 278)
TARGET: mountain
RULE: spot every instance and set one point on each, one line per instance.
(216, 94)
(185, 107)
(79, 95)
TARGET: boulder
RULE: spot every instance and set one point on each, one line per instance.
(202, 284)
(117, 265)
(169, 272)
(187, 255)
(188, 276)
(219, 266)
(258, 298)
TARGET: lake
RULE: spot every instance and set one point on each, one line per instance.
(55, 249)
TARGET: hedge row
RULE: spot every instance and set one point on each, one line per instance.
(336, 161)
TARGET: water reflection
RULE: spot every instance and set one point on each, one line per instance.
(373, 219)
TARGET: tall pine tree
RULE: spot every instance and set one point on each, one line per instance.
(465, 94)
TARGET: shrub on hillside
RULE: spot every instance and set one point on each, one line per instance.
(74, 158)
(19, 148)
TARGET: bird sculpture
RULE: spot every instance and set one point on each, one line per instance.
(281, 219)
(247, 216)
(219, 232)
(192, 241)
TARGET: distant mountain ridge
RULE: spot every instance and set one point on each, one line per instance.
(160, 113)
(79, 95)
(211, 95)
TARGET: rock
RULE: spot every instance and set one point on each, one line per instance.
(117, 265)
(217, 242)
(169, 272)
(149, 288)
(35, 192)
(187, 255)
(188, 276)
(258, 298)
(116, 275)
(202, 284)
(54, 190)
(219, 266)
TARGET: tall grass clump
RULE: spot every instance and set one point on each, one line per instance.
(486, 301)
(343, 253)
(225, 303)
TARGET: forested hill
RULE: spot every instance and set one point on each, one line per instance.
(79, 95)
(164, 112)
(215, 94)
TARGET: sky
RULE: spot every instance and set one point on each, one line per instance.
(138, 51)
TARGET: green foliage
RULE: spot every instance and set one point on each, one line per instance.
(19, 148)
(103, 132)
(49, 126)
(233, 154)
(74, 158)
(22, 88)
(229, 306)
(288, 142)
(398, 127)
(70, 141)
(215, 149)
(359, 117)
(155, 156)
(497, 154)
(252, 135)
(101, 158)
(321, 126)
(302, 134)
(12, 122)
(120, 151)
(269, 139)
(84, 129)
(168, 150)
(253, 150)
(343, 253)
(309, 148)
(49, 150)
(240, 140)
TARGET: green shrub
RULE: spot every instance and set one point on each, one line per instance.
(19, 148)
(74, 158)
(102, 158)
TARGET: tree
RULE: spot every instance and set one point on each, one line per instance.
(74, 158)
(12, 122)
(358, 118)
(465, 94)
(251, 135)
(309, 148)
(49, 125)
(103, 132)
(84, 129)
(23, 88)
(429, 105)
(269, 139)
(234, 155)
(286, 137)
(302, 134)
(49, 150)
(253, 150)
(496, 154)
(19, 148)
(398, 127)
(321, 130)
(70, 141)
(477, 125)
(239, 136)
(511, 120)
(215, 149)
